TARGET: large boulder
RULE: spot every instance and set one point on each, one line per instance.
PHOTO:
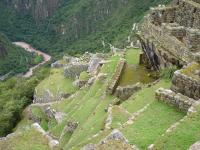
(195, 146)
(79, 83)
(115, 135)
(70, 127)
(57, 64)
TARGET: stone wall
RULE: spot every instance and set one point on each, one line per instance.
(159, 15)
(188, 13)
(186, 85)
(74, 70)
(48, 97)
(124, 92)
(180, 101)
(192, 39)
(116, 77)
(172, 34)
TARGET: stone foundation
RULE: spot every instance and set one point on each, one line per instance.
(188, 85)
(116, 77)
(74, 70)
(125, 92)
(180, 101)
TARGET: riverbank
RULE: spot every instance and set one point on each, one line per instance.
(29, 48)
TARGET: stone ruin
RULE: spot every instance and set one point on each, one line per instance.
(74, 70)
(116, 77)
(185, 88)
(170, 35)
(124, 92)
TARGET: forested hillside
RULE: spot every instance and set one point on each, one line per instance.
(13, 59)
(72, 26)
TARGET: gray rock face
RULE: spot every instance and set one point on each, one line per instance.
(74, 70)
(125, 92)
(94, 64)
(50, 113)
(91, 81)
(195, 146)
(70, 127)
(53, 144)
(89, 147)
(115, 135)
(79, 83)
(57, 64)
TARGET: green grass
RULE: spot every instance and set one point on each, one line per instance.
(186, 134)
(190, 70)
(28, 140)
(56, 82)
(119, 116)
(40, 114)
(84, 76)
(132, 56)
(86, 108)
(144, 97)
(151, 124)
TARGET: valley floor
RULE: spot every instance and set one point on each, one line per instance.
(30, 49)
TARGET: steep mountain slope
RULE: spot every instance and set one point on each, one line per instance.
(72, 25)
(13, 59)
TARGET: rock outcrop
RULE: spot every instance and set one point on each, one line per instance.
(195, 146)
(74, 70)
(39, 9)
(95, 63)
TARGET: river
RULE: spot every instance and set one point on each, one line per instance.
(29, 48)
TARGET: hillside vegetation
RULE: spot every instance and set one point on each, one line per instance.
(14, 59)
(15, 95)
(72, 26)
(149, 124)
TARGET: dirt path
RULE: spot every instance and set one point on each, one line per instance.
(29, 48)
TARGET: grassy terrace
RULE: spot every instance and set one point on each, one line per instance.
(29, 139)
(56, 82)
(134, 72)
(151, 124)
(86, 108)
(132, 56)
(154, 121)
(119, 116)
(186, 134)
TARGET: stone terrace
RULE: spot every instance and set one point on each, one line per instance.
(185, 89)
(171, 35)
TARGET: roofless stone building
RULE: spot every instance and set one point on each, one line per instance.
(170, 35)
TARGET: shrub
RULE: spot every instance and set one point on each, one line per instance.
(167, 73)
